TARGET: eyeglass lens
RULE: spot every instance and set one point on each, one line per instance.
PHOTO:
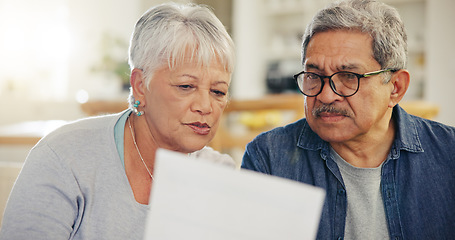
(342, 83)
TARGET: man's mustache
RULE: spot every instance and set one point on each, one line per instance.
(329, 108)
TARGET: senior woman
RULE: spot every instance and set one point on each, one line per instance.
(91, 179)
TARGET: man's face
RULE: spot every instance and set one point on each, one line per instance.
(361, 116)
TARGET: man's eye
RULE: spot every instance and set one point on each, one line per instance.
(311, 77)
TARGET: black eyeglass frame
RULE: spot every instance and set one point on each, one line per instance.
(322, 77)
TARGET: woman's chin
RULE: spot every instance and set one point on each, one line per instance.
(191, 147)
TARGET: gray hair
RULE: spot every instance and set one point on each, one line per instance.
(167, 33)
(380, 21)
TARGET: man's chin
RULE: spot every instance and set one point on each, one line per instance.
(332, 134)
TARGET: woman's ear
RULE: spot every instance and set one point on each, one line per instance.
(138, 83)
(400, 83)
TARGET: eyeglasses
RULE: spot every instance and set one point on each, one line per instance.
(343, 83)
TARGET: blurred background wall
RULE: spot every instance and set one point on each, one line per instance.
(59, 54)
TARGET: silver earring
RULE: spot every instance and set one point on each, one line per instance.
(137, 112)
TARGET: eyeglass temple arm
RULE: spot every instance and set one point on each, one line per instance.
(379, 72)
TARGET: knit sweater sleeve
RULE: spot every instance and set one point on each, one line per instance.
(45, 201)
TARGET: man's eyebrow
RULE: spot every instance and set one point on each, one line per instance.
(312, 66)
(348, 67)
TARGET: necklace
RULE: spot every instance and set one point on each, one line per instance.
(135, 144)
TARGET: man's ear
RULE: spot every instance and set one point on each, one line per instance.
(400, 83)
(137, 81)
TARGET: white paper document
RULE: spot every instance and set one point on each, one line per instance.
(200, 200)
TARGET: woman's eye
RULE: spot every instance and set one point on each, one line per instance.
(219, 93)
(185, 86)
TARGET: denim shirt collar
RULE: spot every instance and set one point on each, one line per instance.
(406, 138)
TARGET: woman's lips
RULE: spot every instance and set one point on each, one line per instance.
(199, 128)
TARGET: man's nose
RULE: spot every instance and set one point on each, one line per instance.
(328, 94)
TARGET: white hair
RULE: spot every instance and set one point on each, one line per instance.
(380, 21)
(170, 32)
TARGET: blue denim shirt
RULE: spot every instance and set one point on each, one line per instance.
(417, 184)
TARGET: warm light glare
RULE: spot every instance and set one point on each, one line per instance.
(82, 96)
(35, 47)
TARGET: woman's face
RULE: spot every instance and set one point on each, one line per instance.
(183, 105)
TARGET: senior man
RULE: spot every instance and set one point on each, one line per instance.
(387, 174)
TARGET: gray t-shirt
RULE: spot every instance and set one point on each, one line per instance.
(365, 217)
(73, 186)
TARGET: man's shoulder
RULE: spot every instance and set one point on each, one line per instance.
(414, 128)
(283, 138)
(286, 131)
(426, 136)
(433, 127)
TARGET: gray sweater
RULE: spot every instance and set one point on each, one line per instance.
(73, 186)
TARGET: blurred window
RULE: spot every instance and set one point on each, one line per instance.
(35, 45)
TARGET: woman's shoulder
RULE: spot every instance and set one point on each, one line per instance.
(101, 121)
(83, 130)
(81, 144)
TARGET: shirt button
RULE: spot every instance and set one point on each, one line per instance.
(389, 194)
(341, 191)
(340, 238)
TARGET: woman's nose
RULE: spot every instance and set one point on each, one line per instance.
(202, 102)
